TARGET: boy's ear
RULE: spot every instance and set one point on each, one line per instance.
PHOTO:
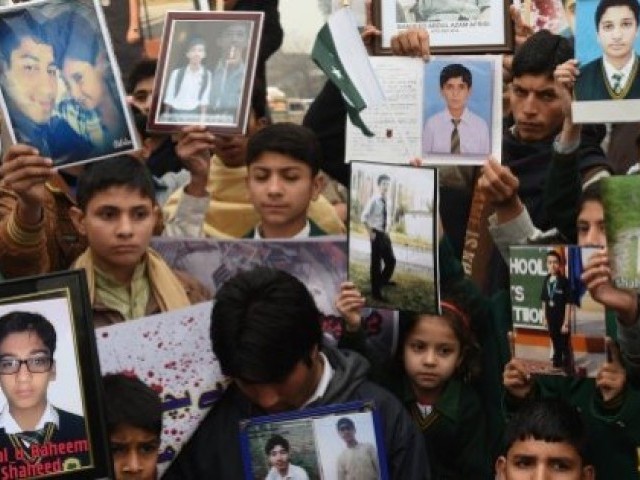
(501, 464)
(318, 184)
(77, 217)
(588, 473)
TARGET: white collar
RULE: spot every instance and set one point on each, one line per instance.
(11, 426)
(463, 116)
(323, 384)
(304, 233)
(625, 71)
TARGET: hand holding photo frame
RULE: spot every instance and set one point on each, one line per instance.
(206, 70)
(324, 442)
(61, 87)
(47, 346)
(454, 26)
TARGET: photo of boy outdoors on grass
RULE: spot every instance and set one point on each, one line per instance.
(392, 245)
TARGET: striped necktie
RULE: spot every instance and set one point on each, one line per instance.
(617, 82)
(455, 136)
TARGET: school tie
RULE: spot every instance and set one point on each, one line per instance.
(37, 437)
(455, 136)
(384, 214)
(617, 82)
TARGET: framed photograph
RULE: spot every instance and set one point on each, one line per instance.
(462, 110)
(61, 89)
(558, 328)
(49, 366)
(316, 443)
(393, 247)
(608, 87)
(136, 27)
(472, 26)
(206, 70)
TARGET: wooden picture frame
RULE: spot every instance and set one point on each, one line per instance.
(77, 447)
(484, 28)
(222, 84)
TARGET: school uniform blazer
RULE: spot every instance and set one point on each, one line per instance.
(592, 82)
(314, 231)
(71, 429)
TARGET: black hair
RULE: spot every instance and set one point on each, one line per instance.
(195, 40)
(553, 253)
(131, 402)
(18, 322)
(80, 37)
(605, 4)
(593, 193)
(263, 323)
(120, 171)
(345, 422)
(259, 99)
(295, 141)
(541, 54)
(455, 70)
(145, 68)
(21, 24)
(454, 311)
(274, 441)
(382, 178)
(549, 420)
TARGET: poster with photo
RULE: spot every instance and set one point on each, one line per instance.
(393, 248)
(61, 89)
(455, 26)
(171, 353)
(49, 365)
(607, 46)
(315, 444)
(557, 16)
(206, 70)
(558, 328)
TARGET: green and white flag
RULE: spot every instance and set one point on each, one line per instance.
(341, 55)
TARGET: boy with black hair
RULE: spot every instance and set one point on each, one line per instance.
(267, 337)
(189, 87)
(28, 421)
(277, 450)
(283, 162)
(456, 129)
(117, 212)
(134, 424)
(545, 439)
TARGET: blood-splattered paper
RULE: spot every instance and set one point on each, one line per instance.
(170, 352)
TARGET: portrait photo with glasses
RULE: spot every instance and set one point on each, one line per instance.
(50, 418)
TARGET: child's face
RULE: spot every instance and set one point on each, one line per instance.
(25, 391)
(431, 354)
(279, 458)
(553, 265)
(118, 223)
(536, 459)
(196, 54)
(617, 32)
(280, 189)
(591, 227)
(135, 453)
(85, 82)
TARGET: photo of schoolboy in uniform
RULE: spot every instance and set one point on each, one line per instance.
(556, 307)
(37, 438)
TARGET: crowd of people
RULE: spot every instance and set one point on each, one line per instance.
(453, 402)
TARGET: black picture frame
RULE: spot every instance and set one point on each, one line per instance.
(447, 36)
(63, 299)
(317, 428)
(224, 87)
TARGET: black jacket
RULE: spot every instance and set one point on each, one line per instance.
(214, 450)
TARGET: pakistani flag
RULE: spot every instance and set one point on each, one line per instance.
(340, 53)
